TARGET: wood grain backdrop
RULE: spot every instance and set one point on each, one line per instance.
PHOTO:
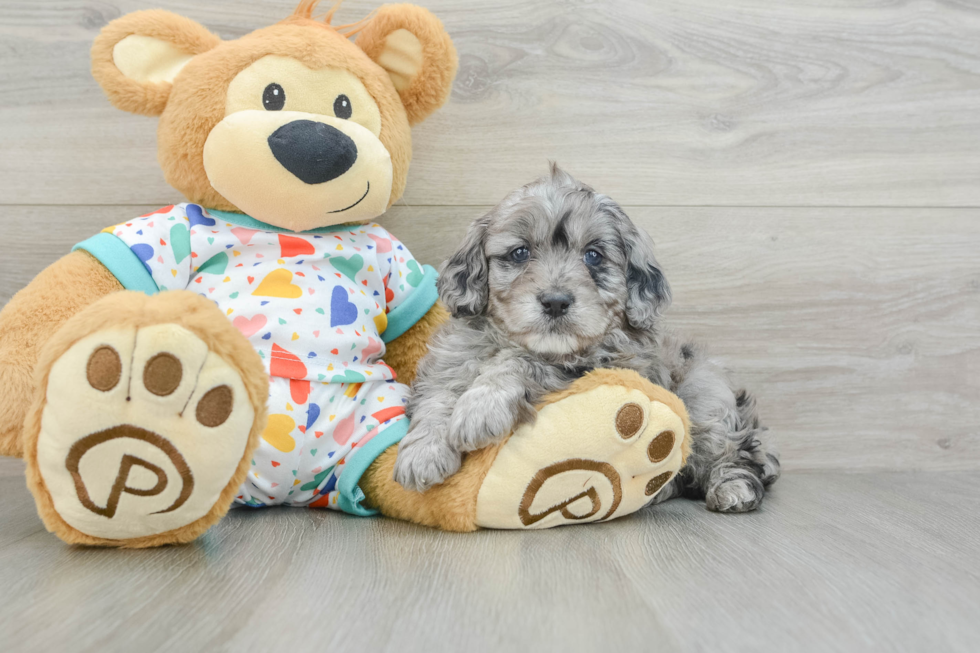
(809, 170)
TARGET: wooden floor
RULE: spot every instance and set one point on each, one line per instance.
(810, 172)
(832, 562)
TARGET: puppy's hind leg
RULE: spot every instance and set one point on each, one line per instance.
(732, 463)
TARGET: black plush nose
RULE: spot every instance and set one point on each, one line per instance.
(556, 304)
(313, 151)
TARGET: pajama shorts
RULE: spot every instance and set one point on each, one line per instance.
(320, 439)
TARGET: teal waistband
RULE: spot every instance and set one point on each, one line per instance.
(350, 496)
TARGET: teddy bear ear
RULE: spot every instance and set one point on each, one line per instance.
(414, 49)
(136, 57)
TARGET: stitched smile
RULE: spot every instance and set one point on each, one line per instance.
(355, 203)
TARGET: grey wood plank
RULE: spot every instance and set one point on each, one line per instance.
(11, 467)
(19, 519)
(675, 102)
(831, 562)
(856, 328)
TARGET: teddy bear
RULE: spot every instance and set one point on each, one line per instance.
(255, 345)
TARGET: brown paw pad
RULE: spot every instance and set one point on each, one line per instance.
(629, 420)
(162, 374)
(661, 446)
(216, 406)
(656, 483)
(104, 369)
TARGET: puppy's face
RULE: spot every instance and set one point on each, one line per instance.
(557, 272)
(556, 266)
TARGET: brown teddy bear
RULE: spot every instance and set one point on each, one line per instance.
(243, 347)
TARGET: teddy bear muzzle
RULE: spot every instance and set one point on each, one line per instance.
(298, 170)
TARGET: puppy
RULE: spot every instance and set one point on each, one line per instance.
(553, 282)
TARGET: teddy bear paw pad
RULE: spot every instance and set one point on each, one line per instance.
(593, 456)
(142, 430)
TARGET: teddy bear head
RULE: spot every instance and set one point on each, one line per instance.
(296, 125)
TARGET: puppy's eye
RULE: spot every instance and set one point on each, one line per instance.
(520, 255)
(342, 107)
(273, 97)
(592, 258)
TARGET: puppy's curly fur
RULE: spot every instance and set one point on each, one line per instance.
(553, 282)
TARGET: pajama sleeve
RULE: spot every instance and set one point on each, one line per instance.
(410, 287)
(151, 253)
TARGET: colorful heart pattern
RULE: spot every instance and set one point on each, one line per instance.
(250, 326)
(318, 293)
(286, 365)
(196, 217)
(217, 264)
(348, 266)
(180, 242)
(278, 432)
(279, 283)
(342, 311)
(144, 253)
(315, 307)
(349, 376)
(415, 274)
(292, 246)
(306, 445)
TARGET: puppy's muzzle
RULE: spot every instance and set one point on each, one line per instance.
(556, 304)
(313, 151)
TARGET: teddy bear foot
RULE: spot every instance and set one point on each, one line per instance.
(602, 450)
(148, 417)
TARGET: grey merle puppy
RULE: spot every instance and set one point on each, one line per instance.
(553, 282)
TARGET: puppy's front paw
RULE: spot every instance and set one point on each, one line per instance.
(479, 419)
(425, 461)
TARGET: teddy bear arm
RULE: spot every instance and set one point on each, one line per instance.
(404, 353)
(29, 320)
(450, 506)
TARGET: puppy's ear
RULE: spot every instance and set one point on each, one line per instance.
(136, 58)
(463, 281)
(648, 293)
(560, 177)
(414, 49)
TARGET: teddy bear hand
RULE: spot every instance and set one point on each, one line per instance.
(147, 413)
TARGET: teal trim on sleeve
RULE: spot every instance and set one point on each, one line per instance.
(122, 262)
(249, 222)
(349, 494)
(414, 307)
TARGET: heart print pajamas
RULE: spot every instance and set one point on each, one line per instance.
(318, 307)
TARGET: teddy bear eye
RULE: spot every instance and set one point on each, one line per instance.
(273, 97)
(342, 107)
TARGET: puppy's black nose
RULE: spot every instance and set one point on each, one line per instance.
(556, 304)
(313, 151)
